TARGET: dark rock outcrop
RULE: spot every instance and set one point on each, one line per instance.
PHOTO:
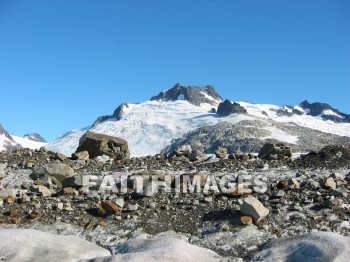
(317, 109)
(193, 94)
(280, 150)
(227, 108)
(117, 115)
(99, 144)
(9, 143)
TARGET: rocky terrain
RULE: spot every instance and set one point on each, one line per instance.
(240, 204)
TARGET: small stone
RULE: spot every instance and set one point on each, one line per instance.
(119, 202)
(208, 199)
(13, 213)
(59, 206)
(223, 227)
(279, 193)
(246, 220)
(10, 200)
(109, 207)
(132, 207)
(102, 223)
(330, 183)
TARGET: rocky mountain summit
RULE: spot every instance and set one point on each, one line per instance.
(193, 94)
(6, 140)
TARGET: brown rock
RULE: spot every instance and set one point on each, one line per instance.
(14, 213)
(60, 157)
(99, 144)
(83, 155)
(108, 208)
(246, 220)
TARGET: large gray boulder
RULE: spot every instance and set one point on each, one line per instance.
(99, 144)
(49, 172)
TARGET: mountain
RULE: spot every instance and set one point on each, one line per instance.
(151, 126)
(6, 141)
(10, 142)
(35, 137)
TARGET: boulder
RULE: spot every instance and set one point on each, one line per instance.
(57, 171)
(281, 150)
(108, 208)
(99, 144)
(60, 157)
(221, 152)
(254, 208)
(197, 155)
(184, 150)
(44, 191)
(329, 183)
(83, 155)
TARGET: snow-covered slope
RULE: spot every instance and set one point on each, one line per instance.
(273, 112)
(150, 126)
(27, 143)
(6, 141)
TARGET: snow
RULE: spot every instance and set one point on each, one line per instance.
(27, 143)
(167, 246)
(34, 245)
(316, 246)
(150, 126)
(5, 141)
(316, 123)
(280, 135)
(331, 113)
(211, 98)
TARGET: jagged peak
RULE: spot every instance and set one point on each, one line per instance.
(193, 94)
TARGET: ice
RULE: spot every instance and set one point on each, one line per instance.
(167, 246)
(26, 143)
(316, 246)
(34, 245)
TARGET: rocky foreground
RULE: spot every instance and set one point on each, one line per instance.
(271, 207)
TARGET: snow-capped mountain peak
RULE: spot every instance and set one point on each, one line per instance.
(152, 125)
(193, 94)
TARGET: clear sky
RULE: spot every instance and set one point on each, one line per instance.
(63, 63)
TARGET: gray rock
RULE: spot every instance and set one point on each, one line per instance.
(254, 208)
(221, 152)
(58, 171)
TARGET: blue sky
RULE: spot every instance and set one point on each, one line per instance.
(64, 63)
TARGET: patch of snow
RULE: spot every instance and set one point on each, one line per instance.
(316, 246)
(181, 97)
(34, 245)
(27, 143)
(280, 135)
(211, 98)
(167, 246)
(331, 113)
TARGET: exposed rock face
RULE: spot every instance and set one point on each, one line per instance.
(280, 150)
(250, 136)
(227, 108)
(35, 137)
(326, 111)
(117, 115)
(193, 94)
(99, 144)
